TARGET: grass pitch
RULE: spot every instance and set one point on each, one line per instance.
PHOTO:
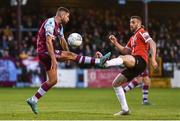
(88, 104)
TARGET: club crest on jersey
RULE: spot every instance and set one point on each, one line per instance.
(58, 30)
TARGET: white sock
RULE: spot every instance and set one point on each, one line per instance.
(114, 62)
(35, 98)
(121, 97)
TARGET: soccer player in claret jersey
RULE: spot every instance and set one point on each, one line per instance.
(51, 30)
(145, 82)
(135, 59)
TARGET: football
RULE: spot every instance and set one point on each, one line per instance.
(74, 40)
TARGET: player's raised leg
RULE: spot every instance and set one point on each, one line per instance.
(127, 60)
(66, 55)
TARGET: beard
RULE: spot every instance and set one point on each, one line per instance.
(132, 30)
(64, 22)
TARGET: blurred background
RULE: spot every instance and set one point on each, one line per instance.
(94, 20)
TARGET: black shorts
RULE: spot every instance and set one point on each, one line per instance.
(140, 66)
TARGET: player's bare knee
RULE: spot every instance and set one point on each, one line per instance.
(129, 61)
(115, 84)
(147, 81)
(119, 80)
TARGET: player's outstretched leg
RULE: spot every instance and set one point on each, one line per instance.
(104, 58)
(66, 55)
(93, 61)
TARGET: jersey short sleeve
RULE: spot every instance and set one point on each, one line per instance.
(145, 36)
(49, 27)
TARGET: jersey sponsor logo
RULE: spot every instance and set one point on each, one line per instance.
(50, 22)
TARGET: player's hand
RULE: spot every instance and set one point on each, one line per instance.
(98, 54)
(154, 63)
(113, 39)
(53, 63)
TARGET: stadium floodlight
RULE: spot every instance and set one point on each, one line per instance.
(165, 0)
(154, 1)
(146, 1)
(121, 2)
(14, 2)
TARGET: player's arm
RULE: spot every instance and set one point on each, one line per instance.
(146, 37)
(49, 29)
(122, 49)
(64, 44)
(62, 40)
(50, 49)
(153, 53)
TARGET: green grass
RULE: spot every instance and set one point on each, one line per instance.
(82, 104)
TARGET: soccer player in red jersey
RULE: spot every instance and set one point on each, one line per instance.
(143, 80)
(52, 30)
(135, 59)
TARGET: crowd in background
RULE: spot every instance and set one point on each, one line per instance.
(95, 26)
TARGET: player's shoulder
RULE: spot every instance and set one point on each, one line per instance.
(143, 34)
(50, 21)
(142, 30)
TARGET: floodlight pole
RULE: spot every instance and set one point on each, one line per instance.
(19, 32)
(146, 19)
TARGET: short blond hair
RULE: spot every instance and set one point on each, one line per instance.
(63, 9)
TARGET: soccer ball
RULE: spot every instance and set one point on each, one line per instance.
(74, 40)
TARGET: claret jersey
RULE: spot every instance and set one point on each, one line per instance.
(48, 28)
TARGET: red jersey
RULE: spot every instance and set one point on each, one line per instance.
(48, 28)
(138, 43)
